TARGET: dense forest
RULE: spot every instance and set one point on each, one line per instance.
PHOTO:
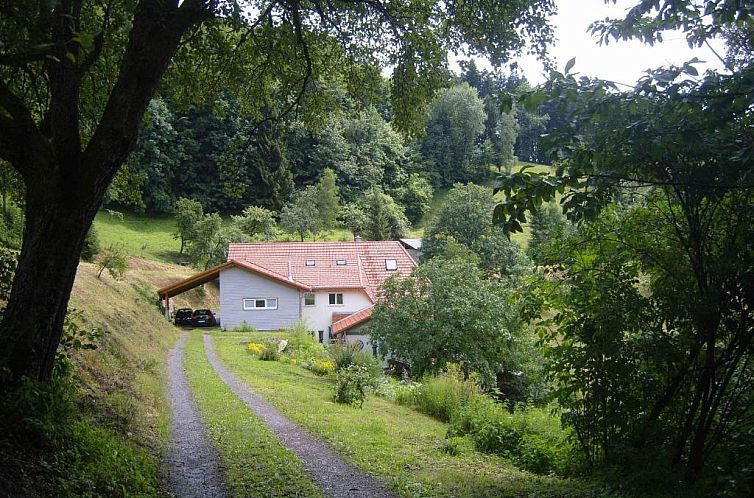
(227, 160)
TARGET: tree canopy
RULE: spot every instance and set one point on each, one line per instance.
(76, 77)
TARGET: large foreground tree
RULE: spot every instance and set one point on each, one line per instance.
(77, 75)
(655, 336)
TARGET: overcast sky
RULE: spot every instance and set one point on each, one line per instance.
(622, 62)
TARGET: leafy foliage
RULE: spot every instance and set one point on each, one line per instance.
(463, 226)
(664, 288)
(350, 385)
(113, 259)
(257, 222)
(300, 216)
(456, 120)
(447, 312)
(384, 219)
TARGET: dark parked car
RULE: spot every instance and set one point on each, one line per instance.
(204, 318)
(184, 316)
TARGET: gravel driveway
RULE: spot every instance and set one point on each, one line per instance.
(193, 469)
(337, 478)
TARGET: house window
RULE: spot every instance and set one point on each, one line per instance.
(260, 303)
(340, 262)
(336, 299)
(391, 264)
(321, 336)
(310, 262)
(309, 299)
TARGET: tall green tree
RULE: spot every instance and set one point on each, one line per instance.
(384, 218)
(301, 216)
(455, 122)
(77, 77)
(328, 200)
(446, 311)
(465, 218)
(681, 145)
(256, 222)
(188, 213)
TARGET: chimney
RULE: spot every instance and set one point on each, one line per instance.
(357, 238)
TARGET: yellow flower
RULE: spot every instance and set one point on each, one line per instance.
(255, 348)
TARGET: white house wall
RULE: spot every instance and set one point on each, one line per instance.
(319, 316)
(237, 284)
(365, 340)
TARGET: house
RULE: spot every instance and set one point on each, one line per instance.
(331, 286)
(413, 247)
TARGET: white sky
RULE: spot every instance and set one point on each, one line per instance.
(622, 62)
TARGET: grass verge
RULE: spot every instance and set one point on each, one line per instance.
(402, 446)
(255, 462)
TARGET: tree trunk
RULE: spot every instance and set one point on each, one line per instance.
(65, 185)
(33, 320)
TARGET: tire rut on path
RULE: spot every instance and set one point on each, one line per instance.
(193, 469)
(337, 478)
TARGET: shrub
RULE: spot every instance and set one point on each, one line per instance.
(271, 352)
(266, 351)
(302, 346)
(442, 397)
(255, 348)
(244, 327)
(531, 437)
(343, 354)
(350, 385)
(321, 367)
(113, 259)
(91, 245)
(405, 393)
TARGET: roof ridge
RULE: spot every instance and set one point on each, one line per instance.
(368, 287)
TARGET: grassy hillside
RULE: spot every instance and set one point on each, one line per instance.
(140, 235)
(104, 431)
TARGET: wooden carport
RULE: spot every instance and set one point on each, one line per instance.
(213, 273)
(187, 284)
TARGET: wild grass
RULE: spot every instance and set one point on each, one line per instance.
(399, 445)
(114, 440)
(255, 462)
(142, 236)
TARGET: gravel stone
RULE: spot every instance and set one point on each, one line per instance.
(193, 469)
(337, 478)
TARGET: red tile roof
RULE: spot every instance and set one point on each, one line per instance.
(340, 316)
(351, 321)
(364, 268)
(213, 273)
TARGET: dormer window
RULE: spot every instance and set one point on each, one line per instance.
(310, 262)
(391, 264)
(340, 262)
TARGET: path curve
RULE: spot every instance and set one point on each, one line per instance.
(193, 469)
(337, 478)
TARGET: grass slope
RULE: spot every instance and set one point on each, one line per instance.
(255, 462)
(140, 235)
(105, 435)
(396, 443)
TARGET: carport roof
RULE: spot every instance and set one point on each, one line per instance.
(213, 273)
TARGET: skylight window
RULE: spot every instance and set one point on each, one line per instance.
(391, 264)
(340, 262)
(310, 262)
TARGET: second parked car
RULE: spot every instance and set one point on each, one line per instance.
(204, 318)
